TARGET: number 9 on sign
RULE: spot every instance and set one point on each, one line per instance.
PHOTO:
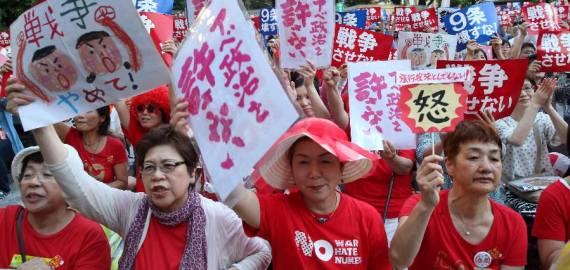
(458, 21)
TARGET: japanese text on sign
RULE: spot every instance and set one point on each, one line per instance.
(352, 18)
(554, 51)
(541, 16)
(425, 49)
(478, 22)
(424, 20)
(220, 55)
(305, 30)
(268, 21)
(402, 17)
(357, 45)
(449, 75)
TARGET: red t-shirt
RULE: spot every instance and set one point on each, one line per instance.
(99, 165)
(373, 188)
(353, 237)
(553, 214)
(163, 246)
(134, 132)
(444, 248)
(5, 78)
(82, 244)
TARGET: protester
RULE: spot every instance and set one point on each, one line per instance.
(527, 49)
(104, 156)
(55, 236)
(527, 132)
(460, 228)
(317, 227)
(552, 222)
(170, 227)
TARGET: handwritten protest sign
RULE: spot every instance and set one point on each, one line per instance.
(554, 51)
(442, 12)
(236, 111)
(402, 17)
(4, 39)
(357, 45)
(78, 58)
(495, 86)
(180, 27)
(374, 112)
(424, 20)
(193, 8)
(268, 21)
(355, 18)
(306, 32)
(158, 6)
(541, 17)
(160, 27)
(478, 22)
(425, 49)
(432, 100)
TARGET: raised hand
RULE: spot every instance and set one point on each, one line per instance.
(430, 178)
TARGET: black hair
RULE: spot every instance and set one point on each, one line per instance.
(104, 112)
(90, 36)
(35, 157)
(481, 51)
(417, 49)
(298, 79)
(43, 52)
(531, 58)
(528, 44)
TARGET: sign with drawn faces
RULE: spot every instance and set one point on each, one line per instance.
(76, 56)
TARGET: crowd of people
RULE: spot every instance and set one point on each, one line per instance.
(121, 187)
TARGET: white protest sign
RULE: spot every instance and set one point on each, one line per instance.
(193, 8)
(306, 30)
(238, 107)
(425, 49)
(374, 112)
(79, 58)
(448, 75)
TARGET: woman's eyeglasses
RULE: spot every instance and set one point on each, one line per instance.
(166, 167)
(149, 108)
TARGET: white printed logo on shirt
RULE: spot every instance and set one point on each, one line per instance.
(343, 251)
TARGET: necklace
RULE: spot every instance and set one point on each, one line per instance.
(324, 219)
(464, 227)
(90, 147)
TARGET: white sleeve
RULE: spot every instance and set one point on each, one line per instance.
(109, 206)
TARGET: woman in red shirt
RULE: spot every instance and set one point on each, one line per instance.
(460, 228)
(104, 157)
(317, 227)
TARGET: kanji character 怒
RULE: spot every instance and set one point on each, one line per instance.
(475, 15)
(491, 76)
(81, 10)
(433, 112)
(346, 38)
(367, 41)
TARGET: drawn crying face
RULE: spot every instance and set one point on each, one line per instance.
(99, 53)
(53, 69)
(418, 57)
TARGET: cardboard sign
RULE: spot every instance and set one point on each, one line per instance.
(355, 18)
(357, 45)
(554, 51)
(238, 107)
(432, 107)
(193, 8)
(180, 27)
(4, 39)
(160, 27)
(402, 17)
(424, 49)
(306, 32)
(157, 6)
(76, 59)
(478, 22)
(541, 17)
(268, 21)
(495, 86)
(424, 20)
(374, 112)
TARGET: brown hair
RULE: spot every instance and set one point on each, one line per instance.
(167, 135)
(470, 131)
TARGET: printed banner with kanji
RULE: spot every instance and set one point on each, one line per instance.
(355, 18)
(4, 39)
(553, 51)
(495, 86)
(563, 12)
(541, 17)
(425, 49)
(478, 22)
(306, 32)
(402, 17)
(374, 15)
(238, 107)
(268, 21)
(180, 27)
(374, 112)
(357, 45)
(76, 56)
(161, 28)
(424, 20)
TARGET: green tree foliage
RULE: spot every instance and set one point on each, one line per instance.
(11, 9)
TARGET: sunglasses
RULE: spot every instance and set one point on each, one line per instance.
(149, 108)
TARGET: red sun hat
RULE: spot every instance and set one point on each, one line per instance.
(275, 167)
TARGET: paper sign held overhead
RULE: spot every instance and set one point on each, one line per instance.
(478, 22)
(79, 56)
(238, 108)
(425, 49)
(357, 45)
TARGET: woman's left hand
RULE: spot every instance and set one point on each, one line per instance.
(389, 152)
(179, 119)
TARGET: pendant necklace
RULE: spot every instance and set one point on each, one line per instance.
(324, 219)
